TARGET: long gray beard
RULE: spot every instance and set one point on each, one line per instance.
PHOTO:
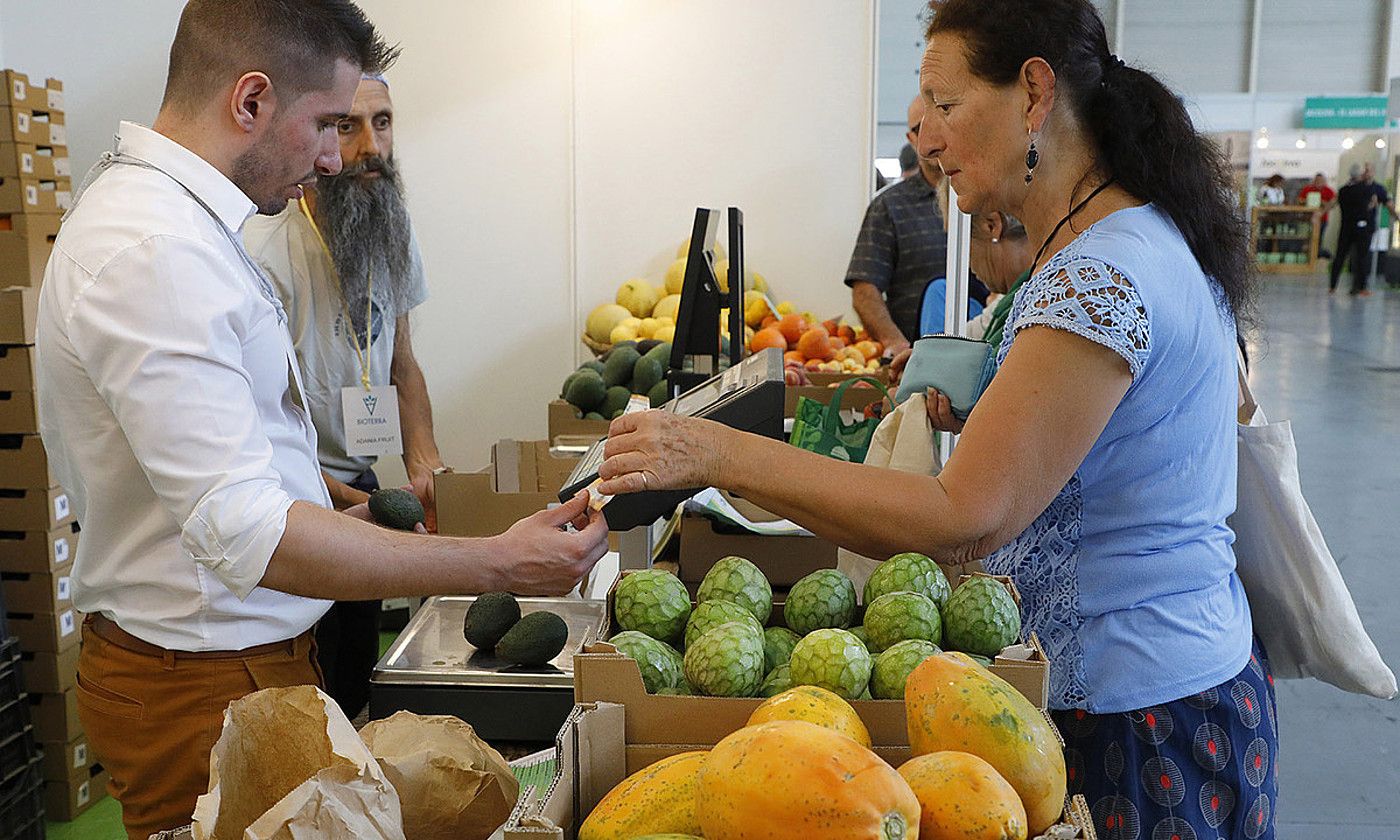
(367, 230)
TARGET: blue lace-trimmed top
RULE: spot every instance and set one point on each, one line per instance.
(1128, 576)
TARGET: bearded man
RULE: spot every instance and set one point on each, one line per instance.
(346, 266)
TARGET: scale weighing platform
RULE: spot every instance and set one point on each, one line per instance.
(747, 397)
(432, 670)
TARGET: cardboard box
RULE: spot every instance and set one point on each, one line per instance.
(563, 422)
(23, 92)
(19, 309)
(55, 717)
(35, 195)
(46, 632)
(34, 509)
(17, 371)
(524, 478)
(19, 415)
(67, 799)
(27, 160)
(855, 399)
(26, 241)
(63, 762)
(50, 673)
(38, 592)
(784, 560)
(822, 378)
(24, 463)
(600, 745)
(38, 127)
(38, 551)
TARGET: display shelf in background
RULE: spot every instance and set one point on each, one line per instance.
(1284, 239)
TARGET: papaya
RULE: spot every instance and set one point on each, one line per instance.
(790, 778)
(952, 703)
(813, 704)
(658, 799)
(962, 797)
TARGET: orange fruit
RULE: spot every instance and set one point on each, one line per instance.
(813, 364)
(768, 321)
(837, 344)
(765, 338)
(792, 327)
(846, 334)
(869, 349)
(793, 356)
(816, 344)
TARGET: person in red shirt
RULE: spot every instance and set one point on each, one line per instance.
(1319, 185)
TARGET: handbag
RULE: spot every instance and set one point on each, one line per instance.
(1303, 613)
(818, 427)
(961, 368)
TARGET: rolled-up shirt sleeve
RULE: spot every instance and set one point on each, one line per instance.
(164, 331)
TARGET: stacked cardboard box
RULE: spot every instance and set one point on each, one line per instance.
(38, 533)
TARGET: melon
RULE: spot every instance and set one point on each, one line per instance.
(602, 320)
(638, 297)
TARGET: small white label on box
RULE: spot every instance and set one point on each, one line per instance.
(65, 585)
(60, 550)
(58, 135)
(84, 793)
(60, 502)
(67, 623)
(62, 168)
(26, 163)
(22, 122)
(80, 755)
(31, 195)
(63, 198)
(56, 100)
(20, 90)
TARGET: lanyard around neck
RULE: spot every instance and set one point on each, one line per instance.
(364, 356)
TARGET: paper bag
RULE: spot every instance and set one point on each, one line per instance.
(452, 784)
(288, 764)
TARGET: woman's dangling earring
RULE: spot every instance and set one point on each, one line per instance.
(1032, 158)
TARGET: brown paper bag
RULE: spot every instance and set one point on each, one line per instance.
(288, 764)
(452, 784)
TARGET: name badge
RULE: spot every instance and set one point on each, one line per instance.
(371, 420)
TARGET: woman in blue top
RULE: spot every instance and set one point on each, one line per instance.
(1098, 469)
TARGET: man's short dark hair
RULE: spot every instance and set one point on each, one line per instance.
(908, 158)
(295, 42)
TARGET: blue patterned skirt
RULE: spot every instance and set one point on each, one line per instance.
(1204, 767)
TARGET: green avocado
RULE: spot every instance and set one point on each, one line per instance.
(569, 380)
(661, 353)
(593, 365)
(586, 391)
(489, 618)
(593, 415)
(396, 508)
(646, 374)
(617, 370)
(534, 640)
(645, 347)
(614, 401)
(618, 346)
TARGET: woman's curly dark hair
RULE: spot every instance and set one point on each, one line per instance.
(1144, 136)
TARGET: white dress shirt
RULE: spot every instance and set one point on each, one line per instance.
(167, 404)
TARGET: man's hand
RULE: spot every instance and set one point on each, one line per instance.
(897, 365)
(541, 557)
(420, 481)
(658, 450)
(896, 347)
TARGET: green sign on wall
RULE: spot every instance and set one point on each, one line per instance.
(1345, 112)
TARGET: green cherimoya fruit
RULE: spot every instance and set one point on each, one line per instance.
(981, 617)
(395, 507)
(778, 643)
(899, 616)
(859, 632)
(659, 663)
(660, 394)
(586, 391)
(534, 640)
(489, 618)
(908, 572)
(834, 660)
(778, 680)
(727, 661)
(653, 602)
(646, 374)
(614, 401)
(894, 665)
(680, 689)
(711, 614)
(737, 580)
(617, 370)
(823, 599)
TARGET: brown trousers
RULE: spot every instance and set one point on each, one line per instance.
(152, 716)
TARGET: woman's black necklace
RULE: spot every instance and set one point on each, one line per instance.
(1080, 206)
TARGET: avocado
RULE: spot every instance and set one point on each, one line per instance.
(534, 640)
(614, 401)
(613, 349)
(593, 365)
(593, 415)
(569, 380)
(617, 370)
(489, 618)
(660, 394)
(662, 353)
(586, 391)
(646, 374)
(645, 347)
(396, 508)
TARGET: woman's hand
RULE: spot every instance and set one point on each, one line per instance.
(658, 450)
(940, 413)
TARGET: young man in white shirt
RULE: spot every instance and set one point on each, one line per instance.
(171, 407)
(342, 257)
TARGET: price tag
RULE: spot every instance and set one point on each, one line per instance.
(58, 135)
(20, 90)
(371, 420)
(80, 756)
(22, 122)
(84, 793)
(60, 551)
(67, 623)
(60, 507)
(31, 195)
(26, 163)
(65, 589)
